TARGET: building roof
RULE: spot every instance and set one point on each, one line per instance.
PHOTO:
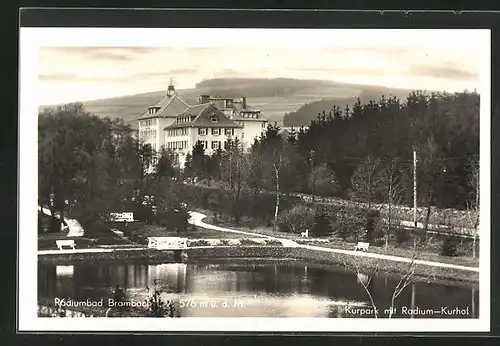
(203, 115)
(238, 117)
(170, 107)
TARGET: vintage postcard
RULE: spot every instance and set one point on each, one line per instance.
(254, 180)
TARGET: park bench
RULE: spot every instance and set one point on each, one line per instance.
(167, 243)
(362, 246)
(61, 243)
(122, 217)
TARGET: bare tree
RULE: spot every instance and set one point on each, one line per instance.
(473, 201)
(357, 264)
(390, 185)
(431, 169)
(323, 180)
(234, 171)
(277, 164)
(364, 180)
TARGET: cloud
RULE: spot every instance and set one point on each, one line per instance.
(132, 70)
(443, 71)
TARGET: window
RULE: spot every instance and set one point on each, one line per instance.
(214, 118)
(215, 145)
(228, 132)
(216, 131)
(264, 125)
(204, 144)
(202, 131)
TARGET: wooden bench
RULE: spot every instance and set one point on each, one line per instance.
(61, 243)
(362, 246)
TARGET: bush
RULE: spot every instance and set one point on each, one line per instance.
(159, 307)
(273, 242)
(119, 295)
(259, 206)
(321, 225)
(402, 236)
(296, 220)
(449, 247)
(379, 242)
(349, 220)
(245, 241)
(342, 233)
(200, 242)
(370, 225)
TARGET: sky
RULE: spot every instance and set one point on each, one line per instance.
(80, 73)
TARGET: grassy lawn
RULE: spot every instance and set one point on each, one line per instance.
(140, 229)
(99, 236)
(428, 253)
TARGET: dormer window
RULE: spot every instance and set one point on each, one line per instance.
(153, 110)
(214, 118)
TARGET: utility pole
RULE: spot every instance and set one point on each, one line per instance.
(415, 188)
(313, 178)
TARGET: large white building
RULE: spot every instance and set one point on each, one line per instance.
(153, 122)
(173, 124)
(201, 123)
(249, 118)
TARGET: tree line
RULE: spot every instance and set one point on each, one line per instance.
(89, 167)
(366, 152)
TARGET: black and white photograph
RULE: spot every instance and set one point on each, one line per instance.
(260, 179)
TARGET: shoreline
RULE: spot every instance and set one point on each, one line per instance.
(244, 254)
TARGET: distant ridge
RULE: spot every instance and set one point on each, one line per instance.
(274, 97)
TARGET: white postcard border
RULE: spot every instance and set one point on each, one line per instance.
(33, 38)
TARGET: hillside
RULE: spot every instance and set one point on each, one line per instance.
(274, 97)
(309, 111)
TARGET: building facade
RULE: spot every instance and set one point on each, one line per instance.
(202, 123)
(173, 124)
(250, 119)
(157, 117)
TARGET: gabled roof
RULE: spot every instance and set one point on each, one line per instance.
(203, 115)
(170, 107)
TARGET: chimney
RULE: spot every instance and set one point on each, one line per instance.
(244, 102)
(204, 99)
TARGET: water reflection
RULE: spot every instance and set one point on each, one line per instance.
(253, 290)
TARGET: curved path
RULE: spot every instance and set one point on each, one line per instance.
(73, 226)
(197, 220)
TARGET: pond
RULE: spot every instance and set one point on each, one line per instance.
(265, 288)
